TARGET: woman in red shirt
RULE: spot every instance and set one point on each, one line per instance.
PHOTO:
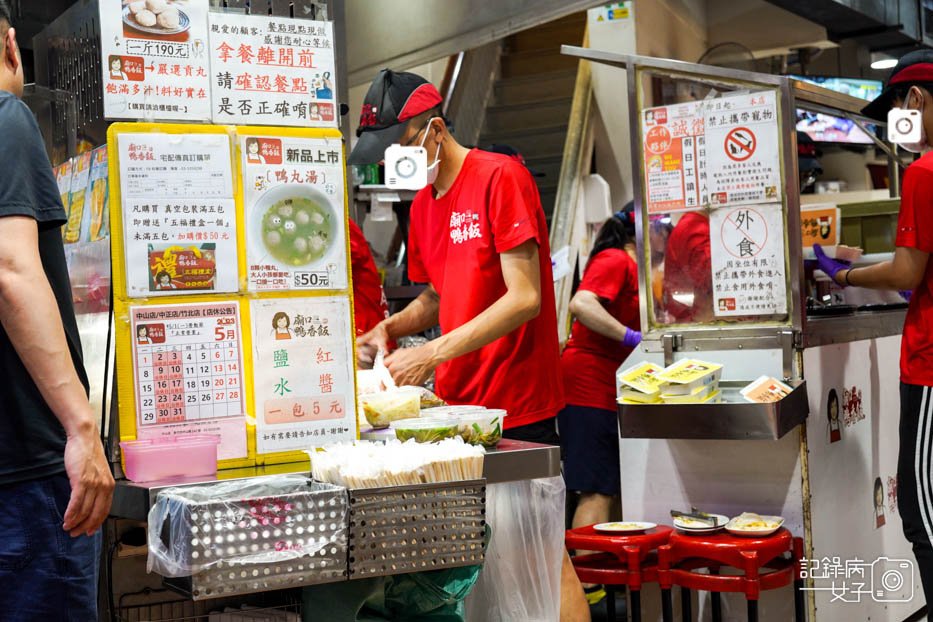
(604, 334)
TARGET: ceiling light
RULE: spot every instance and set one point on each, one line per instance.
(884, 63)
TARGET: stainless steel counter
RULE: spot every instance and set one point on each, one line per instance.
(821, 331)
(510, 461)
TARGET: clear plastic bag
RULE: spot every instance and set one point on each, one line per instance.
(521, 575)
(250, 523)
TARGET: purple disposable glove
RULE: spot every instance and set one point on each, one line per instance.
(827, 264)
(632, 338)
(906, 294)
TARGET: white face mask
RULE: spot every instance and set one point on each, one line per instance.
(432, 168)
(922, 145)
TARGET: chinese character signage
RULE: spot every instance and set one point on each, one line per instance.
(272, 71)
(820, 224)
(154, 59)
(179, 214)
(295, 215)
(743, 149)
(747, 252)
(303, 378)
(675, 158)
(188, 372)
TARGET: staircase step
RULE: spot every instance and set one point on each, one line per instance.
(546, 113)
(565, 30)
(535, 62)
(549, 165)
(538, 87)
(530, 142)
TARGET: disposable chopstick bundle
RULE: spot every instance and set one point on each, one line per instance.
(365, 464)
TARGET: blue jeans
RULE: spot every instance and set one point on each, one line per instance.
(45, 574)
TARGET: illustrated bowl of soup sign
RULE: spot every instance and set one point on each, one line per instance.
(293, 224)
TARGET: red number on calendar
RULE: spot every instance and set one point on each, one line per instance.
(219, 397)
(219, 382)
(234, 395)
(218, 333)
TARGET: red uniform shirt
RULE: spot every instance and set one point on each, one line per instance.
(590, 360)
(688, 277)
(369, 300)
(915, 230)
(454, 244)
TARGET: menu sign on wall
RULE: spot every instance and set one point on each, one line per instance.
(155, 59)
(272, 71)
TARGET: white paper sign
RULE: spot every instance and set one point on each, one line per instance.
(303, 372)
(743, 149)
(179, 216)
(188, 370)
(180, 246)
(193, 166)
(747, 252)
(295, 213)
(272, 71)
(154, 59)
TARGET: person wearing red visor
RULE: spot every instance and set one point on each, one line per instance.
(909, 86)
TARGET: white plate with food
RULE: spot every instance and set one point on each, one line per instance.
(754, 525)
(156, 17)
(692, 525)
(624, 527)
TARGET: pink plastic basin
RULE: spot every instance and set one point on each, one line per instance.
(189, 456)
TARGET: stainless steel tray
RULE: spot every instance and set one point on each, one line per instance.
(401, 529)
(732, 419)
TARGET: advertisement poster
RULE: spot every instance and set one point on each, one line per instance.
(154, 59)
(820, 224)
(295, 215)
(179, 214)
(188, 371)
(96, 224)
(81, 173)
(747, 251)
(272, 71)
(743, 149)
(63, 178)
(302, 372)
(675, 158)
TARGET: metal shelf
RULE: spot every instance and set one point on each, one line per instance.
(732, 419)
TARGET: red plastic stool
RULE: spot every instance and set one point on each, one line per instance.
(623, 560)
(684, 554)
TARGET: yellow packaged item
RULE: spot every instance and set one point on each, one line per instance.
(685, 377)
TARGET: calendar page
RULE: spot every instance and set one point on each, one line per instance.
(188, 368)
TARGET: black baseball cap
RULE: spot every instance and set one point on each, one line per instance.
(912, 68)
(393, 98)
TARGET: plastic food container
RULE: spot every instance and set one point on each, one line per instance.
(192, 455)
(481, 427)
(425, 430)
(383, 408)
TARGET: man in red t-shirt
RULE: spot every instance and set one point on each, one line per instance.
(369, 300)
(478, 238)
(910, 86)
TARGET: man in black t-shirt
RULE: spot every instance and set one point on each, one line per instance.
(55, 483)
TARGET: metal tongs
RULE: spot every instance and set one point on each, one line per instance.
(697, 515)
